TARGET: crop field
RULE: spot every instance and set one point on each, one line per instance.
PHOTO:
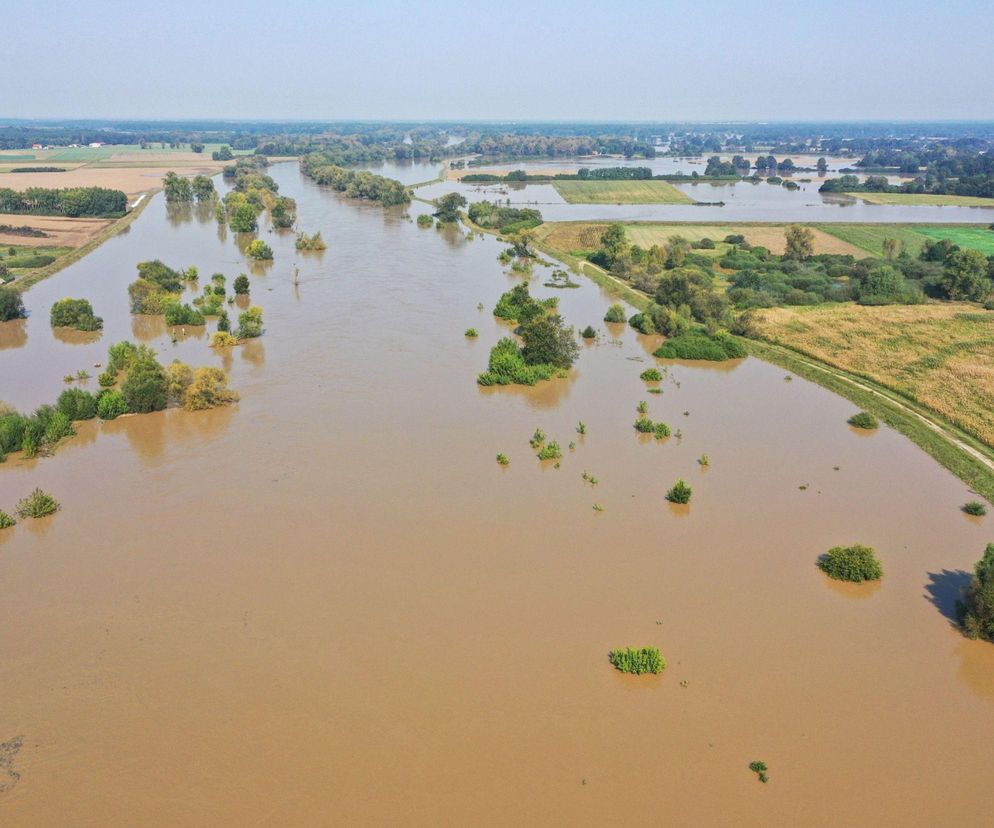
(572, 237)
(939, 355)
(924, 199)
(870, 237)
(621, 192)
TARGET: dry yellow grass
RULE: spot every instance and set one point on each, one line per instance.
(941, 355)
(132, 180)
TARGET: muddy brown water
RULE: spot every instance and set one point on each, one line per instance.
(328, 605)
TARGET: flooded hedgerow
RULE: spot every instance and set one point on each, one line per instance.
(975, 508)
(855, 563)
(638, 661)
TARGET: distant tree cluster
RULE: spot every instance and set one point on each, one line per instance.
(355, 184)
(73, 202)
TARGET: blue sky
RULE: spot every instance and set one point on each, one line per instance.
(667, 60)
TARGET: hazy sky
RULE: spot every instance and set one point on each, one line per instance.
(609, 60)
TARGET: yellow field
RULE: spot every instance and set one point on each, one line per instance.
(924, 199)
(570, 236)
(621, 192)
(940, 355)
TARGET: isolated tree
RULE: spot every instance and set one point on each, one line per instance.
(11, 304)
(548, 341)
(800, 242)
(965, 275)
(892, 248)
(448, 207)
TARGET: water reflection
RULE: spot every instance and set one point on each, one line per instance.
(70, 336)
(254, 353)
(548, 394)
(13, 334)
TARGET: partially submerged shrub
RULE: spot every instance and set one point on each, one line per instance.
(975, 508)
(581, 427)
(679, 493)
(37, 504)
(661, 430)
(209, 389)
(643, 425)
(851, 563)
(976, 610)
(638, 661)
(75, 313)
(425, 220)
(259, 250)
(250, 323)
(759, 768)
(77, 404)
(502, 459)
(550, 451)
(698, 345)
(241, 284)
(107, 378)
(615, 313)
(863, 420)
(179, 314)
(111, 405)
(6, 521)
(589, 333)
(222, 339)
(651, 375)
(472, 333)
(705, 460)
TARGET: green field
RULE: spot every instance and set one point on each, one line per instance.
(13, 259)
(870, 237)
(924, 199)
(621, 192)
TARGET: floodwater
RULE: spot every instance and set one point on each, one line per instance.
(742, 201)
(328, 605)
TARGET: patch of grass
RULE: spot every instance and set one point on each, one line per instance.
(621, 192)
(638, 661)
(975, 508)
(924, 199)
(697, 345)
(37, 504)
(680, 492)
(851, 563)
(863, 420)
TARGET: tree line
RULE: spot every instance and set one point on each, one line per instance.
(73, 202)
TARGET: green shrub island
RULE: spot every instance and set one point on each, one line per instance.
(6, 521)
(241, 284)
(37, 504)
(651, 375)
(425, 220)
(851, 563)
(75, 313)
(111, 405)
(305, 242)
(259, 250)
(699, 345)
(638, 661)
(502, 459)
(505, 220)
(517, 305)
(643, 425)
(759, 768)
(863, 420)
(471, 333)
(11, 304)
(550, 451)
(680, 492)
(976, 610)
(975, 508)
(616, 313)
(589, 333)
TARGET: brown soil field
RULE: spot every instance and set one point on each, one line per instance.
(62, 232)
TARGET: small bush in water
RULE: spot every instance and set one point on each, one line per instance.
(111, 405)
(643, 425)
(615, 313)
(581, 427)
(472, 333)
(975, 507)
(851, 563)
(589, 333)
(651, 375)
(679, 493)
(642, 407)
(550, 451)
(759, 768)
(6, 521)
(661, 430)
(107, 378)
(705, 460)
(638, 661)
(976, 610)
(502, 459)
(863, 420)
(425, 220)
(537, 438)
(259, 250)
(37, 504)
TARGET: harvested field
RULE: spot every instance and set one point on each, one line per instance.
(61, 232)
(621, 192)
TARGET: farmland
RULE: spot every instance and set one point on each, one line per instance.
(620, 192)
(938, 355)
(870, 237)
(923, 199)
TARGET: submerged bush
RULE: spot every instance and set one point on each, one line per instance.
(851, 563)
(37, 504)
(11, 304)
(550, 451)
(75, 313)
(472, 333)
(615, 313)
(651, 375)
(209, 389)
(250, 323)
(589, 332)
(107, 378)
(77, 404)
(698, 345)
(146, 387)
(241, 284)
(6, 521)
(507, 366)
(259, 250)
(976, 610)
(679, 493)
(179, 314)
(502, 459)
(759, 768)
(661, 430)
(863, 420)
(638, 661)
(111, 405)
(222, 339)
(425, 220)
(643, 425)
(975, 508)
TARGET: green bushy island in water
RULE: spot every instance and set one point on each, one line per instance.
(851, 563)
(638, 661)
